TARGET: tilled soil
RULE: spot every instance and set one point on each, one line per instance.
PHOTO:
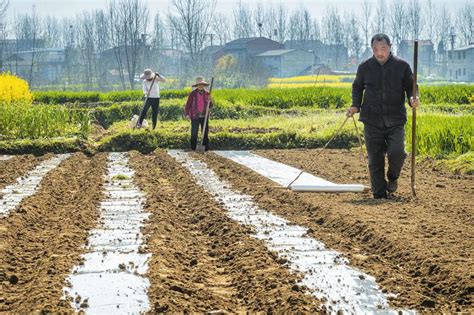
(42, 239)
(420, 249)
(202, 260)
(17, 167)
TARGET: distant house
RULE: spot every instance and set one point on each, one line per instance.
(334, 56)
(47, 63)
(108, 57)
(286, 62)
(211, 54)
(10, 46)
(112, 76)
(164, 60)
(250, 47)
(318, 70)
(426, 55)
(461, 64)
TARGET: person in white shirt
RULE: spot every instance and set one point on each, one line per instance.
(151, 89)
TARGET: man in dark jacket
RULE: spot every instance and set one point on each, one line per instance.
(378, 93)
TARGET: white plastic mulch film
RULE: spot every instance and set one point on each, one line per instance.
(5, 157)
(27, 185)
(284, 174)
(111, 278)
(326, 272)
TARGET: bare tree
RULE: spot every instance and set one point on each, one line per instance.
(442, 31)
(316, 30)
(300, 25)
(159, 38)
(117, 38)
(281, 22)
(333, 28)
(68, 32)
(415, 21)
(27, 29)
(398, 22)
(270, 24)
(3, 10)
(101, 42)
(380, 19)
(243, 26)
(220, 27)
(68, 39)
(366, 15)
(259, 18)
(158, 44)
(443, 25)
(86, 35)
(52, 32)
(354, 41)
(102, 34)
(192, 21)
(431, 20)
(465, 23)
(128, 20)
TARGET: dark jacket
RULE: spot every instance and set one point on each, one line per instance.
(379, 91)
(191, 105)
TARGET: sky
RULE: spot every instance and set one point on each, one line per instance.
(69, 8)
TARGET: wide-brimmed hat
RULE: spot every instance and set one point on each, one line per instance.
(200, 81)
(147, 74)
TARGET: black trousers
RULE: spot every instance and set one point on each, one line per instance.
(381, 141)
(195, 123)
(155, 105)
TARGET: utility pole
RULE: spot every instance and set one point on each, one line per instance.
(260, 29)
(2, 33)
(68, 55)
(145, 55)
(452, 35)
(212, 38)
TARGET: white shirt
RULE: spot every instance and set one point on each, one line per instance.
(155, 89)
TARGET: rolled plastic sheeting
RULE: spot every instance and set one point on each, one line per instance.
(284, 174)
(327, 188)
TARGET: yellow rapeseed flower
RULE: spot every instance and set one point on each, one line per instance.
(312, 79)
(14, 90)
(301, 85)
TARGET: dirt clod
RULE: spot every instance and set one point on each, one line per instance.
(13, 279)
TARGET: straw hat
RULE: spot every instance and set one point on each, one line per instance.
(200, 81)
(147, 74)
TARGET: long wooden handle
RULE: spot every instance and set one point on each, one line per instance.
(206, 116)
(413, 121)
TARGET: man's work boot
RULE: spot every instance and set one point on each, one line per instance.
(392, 186)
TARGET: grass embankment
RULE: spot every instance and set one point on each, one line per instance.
(242, 119)
(439, 135)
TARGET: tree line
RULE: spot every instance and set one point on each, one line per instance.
(125, 27)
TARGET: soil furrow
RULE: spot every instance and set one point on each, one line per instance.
(424, 258)
(42, 239)
(16, 167)
(202, 260)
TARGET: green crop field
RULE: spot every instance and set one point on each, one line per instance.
(241, 119)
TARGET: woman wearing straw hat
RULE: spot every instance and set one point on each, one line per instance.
(151, 89)
(195, 110)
